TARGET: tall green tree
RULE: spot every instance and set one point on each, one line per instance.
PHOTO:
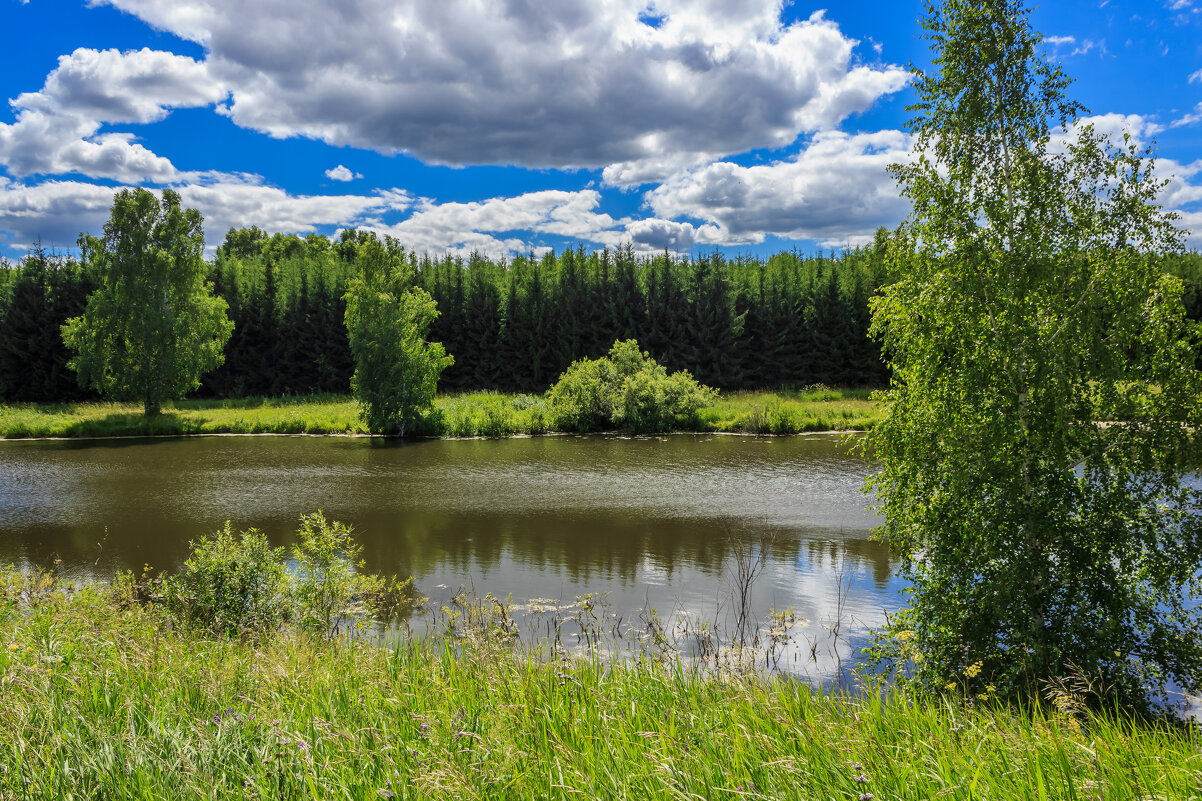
(1044, 403)
(482, 324)
(667, 308)
(624, 304)
(153, 326)
(527, 344)
(714, 343)
(387, 320)
(48, 291)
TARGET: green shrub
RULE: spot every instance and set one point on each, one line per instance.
(236, 584)
(583, 399)
(233, 583)
(625, 389)
(329, 586)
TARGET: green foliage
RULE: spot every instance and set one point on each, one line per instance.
(396, 369)
(1044, 404)
(152, 327)
(626, 389)
(329, 585)
(286, 297)
(234, 583)
(512, 326)
(47, 291)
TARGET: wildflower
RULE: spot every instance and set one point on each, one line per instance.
(866, 796)
(861, 779)
(973, 670)
(12, 646)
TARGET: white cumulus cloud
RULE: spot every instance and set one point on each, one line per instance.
(655, 234)
(1191, 223)
(56, 128)
(836, 190)
(503, 224)
(543, 83)
(56, 211)
(341, 173)
(1183, 188)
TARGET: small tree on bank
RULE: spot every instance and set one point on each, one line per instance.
(152, 328)
(1044, 402)
(387, 320)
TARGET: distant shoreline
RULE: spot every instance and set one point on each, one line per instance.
(467, 416)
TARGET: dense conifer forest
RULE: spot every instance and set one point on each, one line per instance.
(514, 325)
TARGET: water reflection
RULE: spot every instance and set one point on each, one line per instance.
(648, 521)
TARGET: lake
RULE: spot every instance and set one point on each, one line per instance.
(647, 522)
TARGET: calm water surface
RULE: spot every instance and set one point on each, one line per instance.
(646, 521)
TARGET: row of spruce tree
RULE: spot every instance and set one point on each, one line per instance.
(512, 325)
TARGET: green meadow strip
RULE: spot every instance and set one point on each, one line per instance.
(477, 414)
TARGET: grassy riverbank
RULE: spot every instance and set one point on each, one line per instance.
(101, 698)
(466, 415)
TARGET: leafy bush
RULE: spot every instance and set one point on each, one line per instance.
(233, 583)
(626, 389)
(236, 584)
(328, 585)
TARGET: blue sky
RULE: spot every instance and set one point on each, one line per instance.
(505, 126)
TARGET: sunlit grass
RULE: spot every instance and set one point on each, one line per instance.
(819, 409)
(476, 414)
(100, 698)
(330, 414)
(489, 414)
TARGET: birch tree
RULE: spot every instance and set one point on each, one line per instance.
(1044, 406)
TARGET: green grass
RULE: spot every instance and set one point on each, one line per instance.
(487, 414)
(791, 412)
(317, 415)
(101, 698)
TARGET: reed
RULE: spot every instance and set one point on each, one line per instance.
(105, 697)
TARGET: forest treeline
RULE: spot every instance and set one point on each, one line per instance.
(513, 325)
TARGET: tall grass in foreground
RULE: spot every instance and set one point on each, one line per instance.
(103, 697)
(475, 414)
